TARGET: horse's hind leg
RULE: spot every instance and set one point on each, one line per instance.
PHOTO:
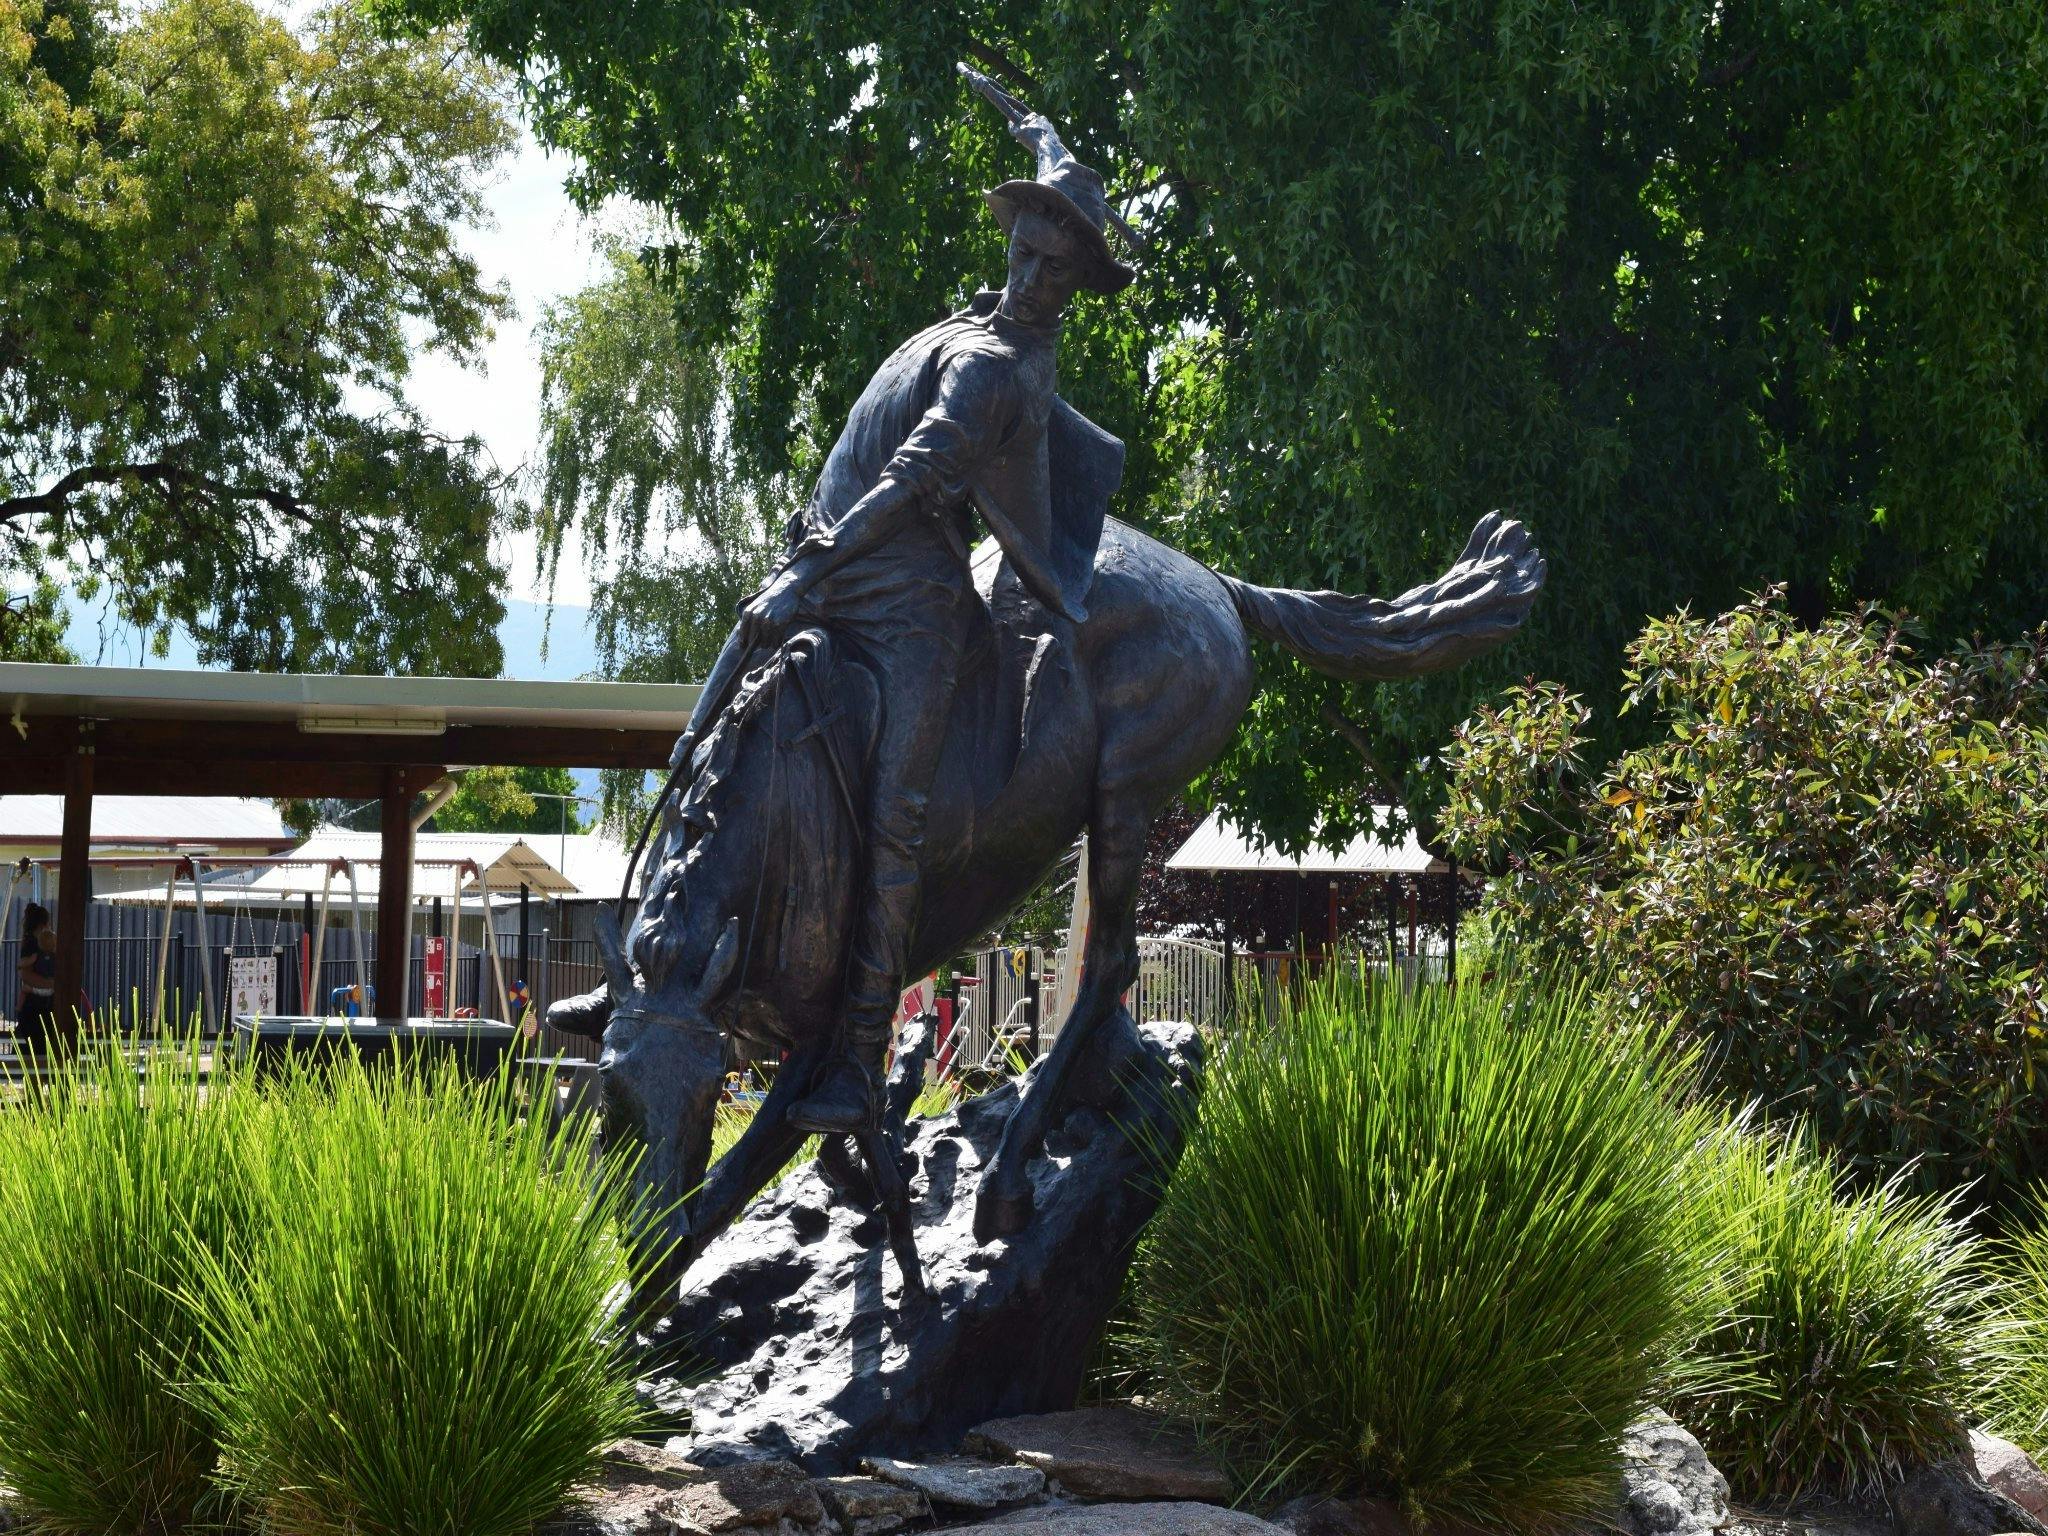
(1116, 849)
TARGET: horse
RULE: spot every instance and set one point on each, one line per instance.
(746, 915)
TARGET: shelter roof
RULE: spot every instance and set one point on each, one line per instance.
(154, 821)
(1218, 845)
(345, 703)
(594, 862)
(507, 861)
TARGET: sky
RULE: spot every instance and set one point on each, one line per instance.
(541, 248)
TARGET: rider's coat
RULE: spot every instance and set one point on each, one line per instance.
(963, 413)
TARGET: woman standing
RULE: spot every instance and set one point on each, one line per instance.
(36, 1018)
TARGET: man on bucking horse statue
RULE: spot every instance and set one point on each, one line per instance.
(953, 423)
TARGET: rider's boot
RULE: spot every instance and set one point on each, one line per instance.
(847, 1094)
(846, 1099)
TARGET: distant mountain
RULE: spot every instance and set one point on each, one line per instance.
(529, 629)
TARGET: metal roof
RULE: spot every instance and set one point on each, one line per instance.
(507, 860)
(30, 689)
(155, 821)
(1218, 845)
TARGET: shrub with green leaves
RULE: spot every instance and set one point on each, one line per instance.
(1851, 1334)
(108, 1188)
(425, 1337)
(1430, 1245)
(1831, 869)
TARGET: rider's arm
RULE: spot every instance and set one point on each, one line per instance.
(971, 415)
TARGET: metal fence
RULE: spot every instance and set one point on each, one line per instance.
(127, 948)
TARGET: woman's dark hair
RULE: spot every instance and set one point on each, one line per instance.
(33, 916)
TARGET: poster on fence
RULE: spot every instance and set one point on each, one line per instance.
(252, 982)
(435, 977)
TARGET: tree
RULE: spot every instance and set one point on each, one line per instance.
(220, 245)
(511, 800)
(638, 467)
(1712, 294)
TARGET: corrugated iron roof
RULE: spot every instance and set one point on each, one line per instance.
(1218, 845)
(146, 820)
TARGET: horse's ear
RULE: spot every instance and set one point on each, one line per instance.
(718, 970)
(611, 953)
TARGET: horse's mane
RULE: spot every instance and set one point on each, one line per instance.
(750, 753)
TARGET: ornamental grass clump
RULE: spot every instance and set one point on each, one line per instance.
(1851, 1333)
(2016, 1402)
(1428, 1245)
(110, 1183)
(426, 1337)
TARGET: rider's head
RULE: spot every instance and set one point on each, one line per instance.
(1046, 264)
(1055, 225)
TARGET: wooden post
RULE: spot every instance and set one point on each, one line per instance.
(394, 896)
(74, 887)
(526, 941)
(1229, 958)
(1451, 931)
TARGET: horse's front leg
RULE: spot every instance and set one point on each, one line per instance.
(1109, 962)
(763, 1150)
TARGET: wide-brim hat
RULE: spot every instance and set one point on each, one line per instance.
(1070, 194)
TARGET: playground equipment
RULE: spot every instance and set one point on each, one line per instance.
(192, 869)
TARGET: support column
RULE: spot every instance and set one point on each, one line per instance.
(74, 877)
(394, 895)
(1451, 931)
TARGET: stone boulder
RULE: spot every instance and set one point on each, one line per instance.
(792, 1337)
(2009, 1470)
(1124, 1520)
(961, 1482)
(1668, 1486)
(1948, 1498)
(646, 1491)
(1113, 1451)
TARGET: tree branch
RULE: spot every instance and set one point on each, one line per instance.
(1001, 63)
(170, 479)
(1354, 733)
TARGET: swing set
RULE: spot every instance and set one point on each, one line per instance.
(190, 869)
(239, 899)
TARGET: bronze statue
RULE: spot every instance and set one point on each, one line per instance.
(900, 739)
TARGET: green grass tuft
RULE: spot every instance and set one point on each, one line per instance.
(426, 1336)
(108, 1187)
(1851, 1333)
(1430, 1246)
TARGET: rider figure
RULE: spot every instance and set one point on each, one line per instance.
(953, 423)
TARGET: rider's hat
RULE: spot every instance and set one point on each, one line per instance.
(1070, 194)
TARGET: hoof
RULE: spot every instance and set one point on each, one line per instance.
(1001, 1213)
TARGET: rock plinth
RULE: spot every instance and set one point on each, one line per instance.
(792, 1337)
(1114, 1451)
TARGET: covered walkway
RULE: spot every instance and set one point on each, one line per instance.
(80, 732)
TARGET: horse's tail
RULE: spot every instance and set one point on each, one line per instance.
(1474, 606)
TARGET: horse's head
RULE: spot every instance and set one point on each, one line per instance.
(662, 1066)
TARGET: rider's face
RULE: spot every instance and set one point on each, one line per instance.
(1045, 269)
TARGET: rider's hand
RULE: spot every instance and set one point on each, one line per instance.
(770, 611)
